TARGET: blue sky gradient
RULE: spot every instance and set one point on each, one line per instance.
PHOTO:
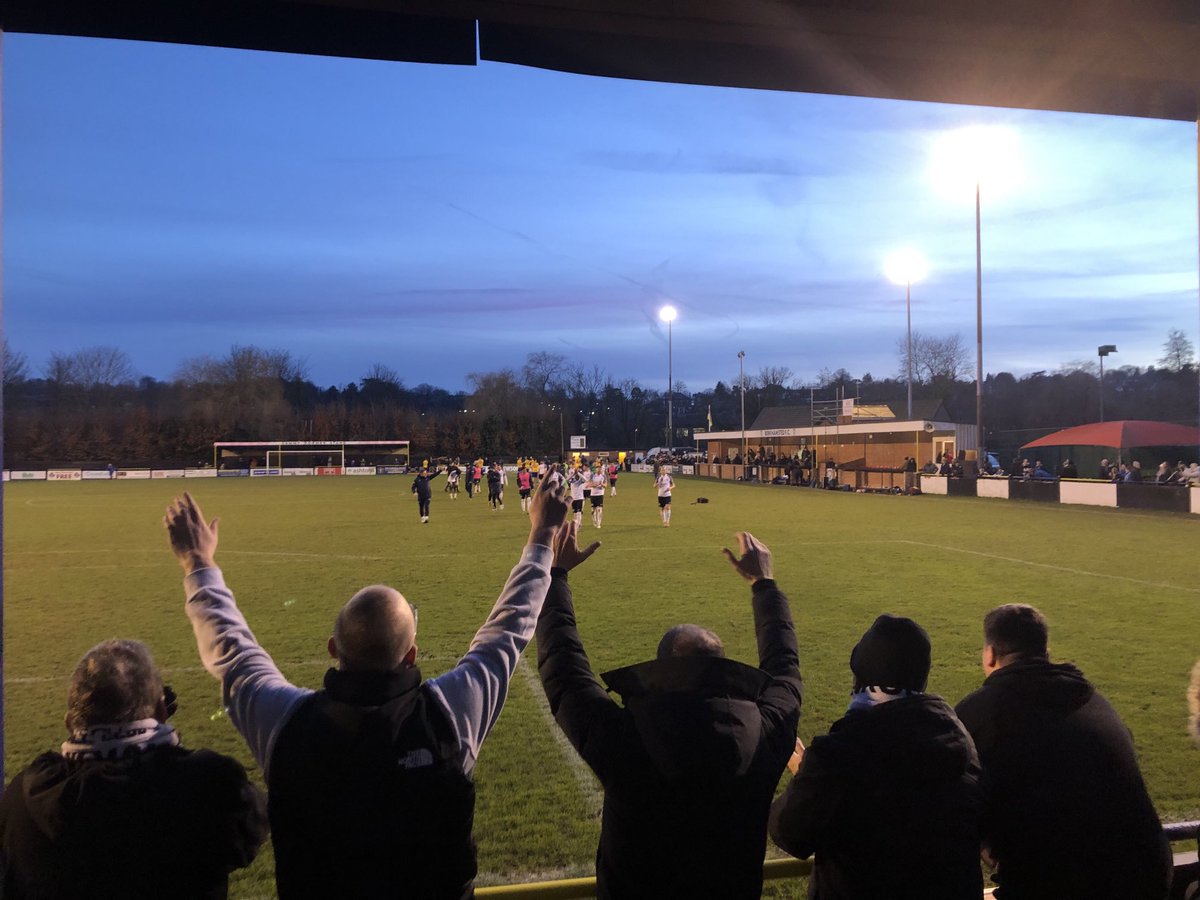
(441, 220)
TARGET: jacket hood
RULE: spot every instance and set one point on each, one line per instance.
(1057, 685)
(697, 716)
(920, 733)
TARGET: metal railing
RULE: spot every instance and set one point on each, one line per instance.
(774, 869)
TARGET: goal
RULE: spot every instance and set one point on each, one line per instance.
(310, 457)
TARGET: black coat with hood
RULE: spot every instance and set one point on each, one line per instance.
(689, 764)
(1067, 813)
(888, 803)
(168, 822)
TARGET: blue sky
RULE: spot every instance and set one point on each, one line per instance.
(175, 200)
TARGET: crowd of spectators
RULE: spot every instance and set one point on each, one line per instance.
(369, 779)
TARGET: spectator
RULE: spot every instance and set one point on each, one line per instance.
(1104, 471)
(930, 468)
(691, 760)
(124, 809)
(897, 772)
(1040, 472)
(1068, 470)
(1164, 473)
(1067, 813)
(1191, 475)
(1133, 475)
(369, 779)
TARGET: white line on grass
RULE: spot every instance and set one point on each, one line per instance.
(593, 794)
(1066, 569)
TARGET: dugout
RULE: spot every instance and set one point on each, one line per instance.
(866, 442)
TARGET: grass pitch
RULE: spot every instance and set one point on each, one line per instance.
(87, 561)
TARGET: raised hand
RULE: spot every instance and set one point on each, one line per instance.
(193, 541)
(567, 554)
(755, 562)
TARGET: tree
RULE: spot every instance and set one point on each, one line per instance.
(91, 367)
(934, 358)
(1178, 351)
(15, 364)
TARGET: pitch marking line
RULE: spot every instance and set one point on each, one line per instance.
(1067, 569)
(593, 794)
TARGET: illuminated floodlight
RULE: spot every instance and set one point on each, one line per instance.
(668, 313)
(906, 266)
(987, 155)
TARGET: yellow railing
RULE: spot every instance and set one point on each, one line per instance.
(585, 888)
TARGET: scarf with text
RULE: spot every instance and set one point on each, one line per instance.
(119, 740)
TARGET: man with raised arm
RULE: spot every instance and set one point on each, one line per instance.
(690, 762)
(369, 778)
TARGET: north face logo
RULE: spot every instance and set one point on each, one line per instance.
(415, 759)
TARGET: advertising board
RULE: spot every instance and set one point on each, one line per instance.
(262, 473)
(200, 473)
(296, 470)
(328, 470)
(96, 475)
(134, 474)
(392, 470)
(64, 475)
(360, 470)
(167, 473)
(232, 473)
(26, 475)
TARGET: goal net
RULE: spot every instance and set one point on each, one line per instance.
(310, 457)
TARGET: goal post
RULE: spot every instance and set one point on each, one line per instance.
(322, 457)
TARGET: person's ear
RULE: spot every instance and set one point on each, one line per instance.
(990, 658)
(332, 646)
(410, 657)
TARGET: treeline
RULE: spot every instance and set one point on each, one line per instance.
(90, 407)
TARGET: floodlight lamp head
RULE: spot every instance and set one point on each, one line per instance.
(741, 354)
(1107, 349)
(906, 266)
(668, 313)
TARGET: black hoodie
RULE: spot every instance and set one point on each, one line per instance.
(690, 763)
(888, 803)
(1067, 813)
(166, 822)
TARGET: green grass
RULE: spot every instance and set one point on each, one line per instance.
(87, 561)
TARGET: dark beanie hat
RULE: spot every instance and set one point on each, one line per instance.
(893, 653)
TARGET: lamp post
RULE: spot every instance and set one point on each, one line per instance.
(742, 381)
(668, 314)
(904, 267)
(973, 155)
(1103, 351)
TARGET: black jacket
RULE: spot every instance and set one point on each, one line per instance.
(889, 803)
(421, 488)
(367, 799)
(166, 822)
(1067, 813)
(690, 763)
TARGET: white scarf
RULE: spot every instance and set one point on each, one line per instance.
(873, 695)
(119, 740)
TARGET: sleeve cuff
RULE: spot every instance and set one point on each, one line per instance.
(208, 577)
(539, 554)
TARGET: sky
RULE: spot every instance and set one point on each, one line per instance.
(174, 201)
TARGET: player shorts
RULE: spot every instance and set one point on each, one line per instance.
(524, 493)
(576, 506)
(664, 501)
(597, 500)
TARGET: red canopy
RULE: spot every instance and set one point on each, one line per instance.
(1121, 435)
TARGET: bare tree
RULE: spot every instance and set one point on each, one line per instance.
(773, 377)
(1178, 352)
(543, 372)
(934, 358)
(91, 367)
(15, 364)
(382, 376)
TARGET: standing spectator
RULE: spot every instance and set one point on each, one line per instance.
(1067, 814)
(369, 779)
(424, 492)
(898, 771)
(910, 473)
(1104, 471)
(124, 809)
(1068, 470)
(690, 761)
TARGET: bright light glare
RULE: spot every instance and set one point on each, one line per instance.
(668, 313)
(906, 266)
(985, 154)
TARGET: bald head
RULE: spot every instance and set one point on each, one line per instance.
(375, 630)
(690, 640)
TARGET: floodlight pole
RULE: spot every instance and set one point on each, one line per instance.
(980, 448)
(742, 381)
(908, 306)
(670, 389)
(3, 780)
(1103, 351)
